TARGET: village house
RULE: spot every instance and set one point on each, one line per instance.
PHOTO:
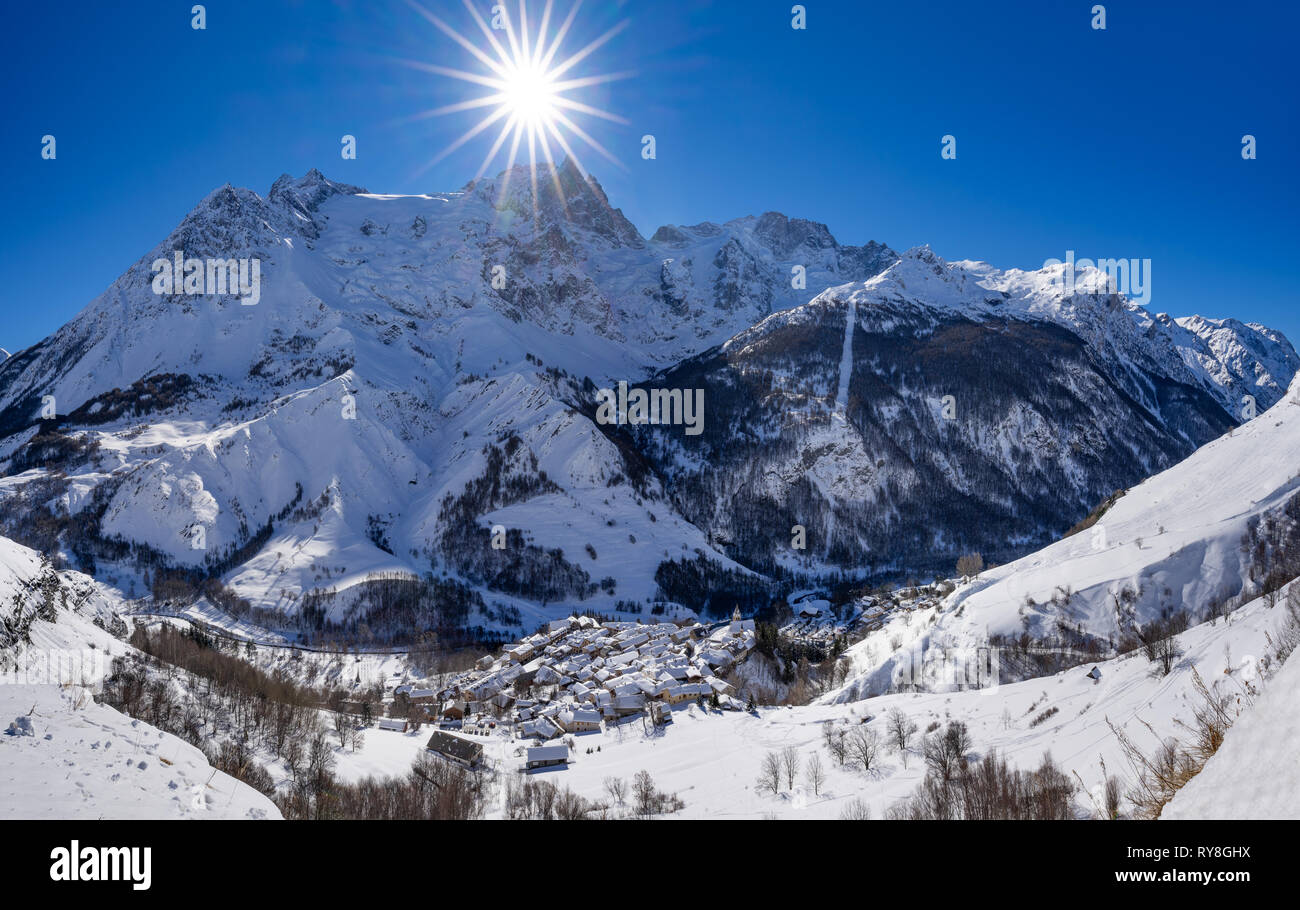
(577, 720)
(540, 727)
(456, 749)
(686, 692)
(546, 756)
(720, 686)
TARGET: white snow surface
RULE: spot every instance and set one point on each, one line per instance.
(84, 760)
(1256, 772)
(78, 759)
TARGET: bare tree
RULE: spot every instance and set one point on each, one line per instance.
(1272, 595)
(834, 736)
(1160, 640)
(790, 765)
(769, 775)
(901, 730)
(864, 746)
(945, 753)
(815, 774)
(1287, 638)
(643, 791)
(342, 725)
(856, 810)
(616, 787)
(970, 565)
(570, 806)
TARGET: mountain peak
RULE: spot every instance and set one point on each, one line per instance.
(312, 181)
(556, 195)
(784, 235)
(304, 196)
(923, 253)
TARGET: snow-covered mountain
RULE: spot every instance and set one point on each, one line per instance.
(940, 408)
(419, 369)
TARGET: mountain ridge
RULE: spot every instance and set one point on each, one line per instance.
(388, 401)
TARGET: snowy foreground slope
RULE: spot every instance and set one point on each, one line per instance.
(1256, 772)
(712, 759)
(64, 756)
(1177, 541)
(73, 758)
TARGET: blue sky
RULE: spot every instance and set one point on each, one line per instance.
(1119, 143)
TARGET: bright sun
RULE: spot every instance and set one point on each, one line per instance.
(530, 95)
(530, 98)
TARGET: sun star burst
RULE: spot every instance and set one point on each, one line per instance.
(533, 99)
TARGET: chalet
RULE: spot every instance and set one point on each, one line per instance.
(720, 686)
(486, 688)
(541, 727)
(621, 659)
(625, 705)
(685, 692)
(393, 723)
(456, 749)
(716, 657)
(624, 686)
(547, 676)
(453, 711)
(811, 607)
(546, 756)
(522, 652)
(578, 720)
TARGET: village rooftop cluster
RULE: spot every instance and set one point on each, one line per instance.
(579, 674)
